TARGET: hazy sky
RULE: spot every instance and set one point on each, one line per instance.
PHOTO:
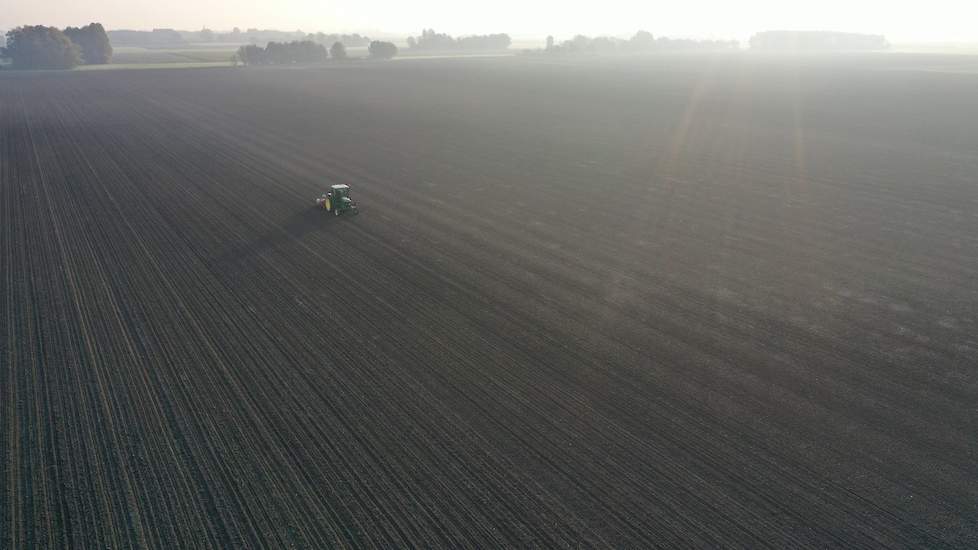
(900, 21)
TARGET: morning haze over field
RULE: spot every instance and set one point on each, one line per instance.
(945, 21)
(498, 275)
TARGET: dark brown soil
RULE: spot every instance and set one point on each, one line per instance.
(727, 301)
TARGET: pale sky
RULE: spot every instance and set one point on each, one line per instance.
(900, 21)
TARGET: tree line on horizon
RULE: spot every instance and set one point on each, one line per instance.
(431, 40)
(282, 53)
(771, 41)
(642, 41)
(305, 51)
(173, 37)
(40, 47)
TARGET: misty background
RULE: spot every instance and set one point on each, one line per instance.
(937, 21)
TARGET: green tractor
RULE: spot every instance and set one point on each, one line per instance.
(337, 200)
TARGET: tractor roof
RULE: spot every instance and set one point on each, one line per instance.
(340, 186)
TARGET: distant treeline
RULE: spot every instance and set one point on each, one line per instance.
(643, 41)
(349, 40)
(431, 40)
(40, 47)
(305, 51)
(172, 37)
(816, 41)
(155, 37)
(283, 53)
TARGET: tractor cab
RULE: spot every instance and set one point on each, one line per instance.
(340, 192)
(337, 200)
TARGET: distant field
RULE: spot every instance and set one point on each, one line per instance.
(219, 55)
(704, 301)
(146, 56)
(128, 66)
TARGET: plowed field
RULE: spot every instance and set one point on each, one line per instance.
(676, 301)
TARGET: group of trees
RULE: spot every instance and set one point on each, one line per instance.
(349, 40)
(382, 50)
(431, 40)
(40, 47)
(305, 51)
(643, 41)
(283, 53)
(793, 41)
(96, 49)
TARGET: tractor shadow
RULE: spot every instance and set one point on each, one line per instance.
(295, 228)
